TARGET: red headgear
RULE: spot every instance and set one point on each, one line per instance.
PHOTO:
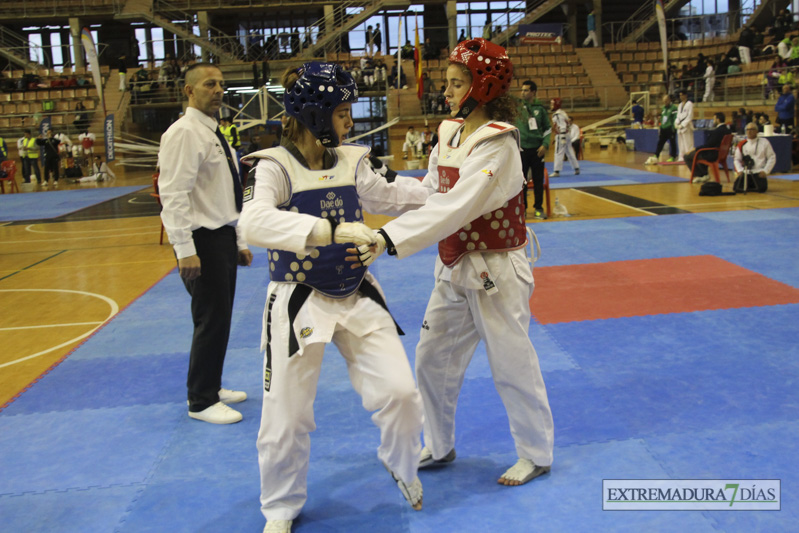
(490, 68)
(556, 103)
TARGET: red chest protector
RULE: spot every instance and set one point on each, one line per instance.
(501, 230)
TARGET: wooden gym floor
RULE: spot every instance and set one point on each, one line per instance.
(61, 279)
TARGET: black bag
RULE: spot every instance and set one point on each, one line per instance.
(710, 188)
(73, 172)
(754, 183)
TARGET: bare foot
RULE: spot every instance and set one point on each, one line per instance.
(523, 471)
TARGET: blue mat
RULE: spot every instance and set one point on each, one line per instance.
(701, 395)
(592, 174)
(52, 204)
(789, 177)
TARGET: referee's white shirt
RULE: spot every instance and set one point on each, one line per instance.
(195, 184)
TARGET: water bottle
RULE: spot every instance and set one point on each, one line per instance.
(560, 209)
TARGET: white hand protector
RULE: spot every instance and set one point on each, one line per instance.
(354, 232)
(368, 253)
(321, 235)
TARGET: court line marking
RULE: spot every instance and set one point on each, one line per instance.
(111, 303)
(30, 229)
(154, 230)
(52, 326)
(615, 202)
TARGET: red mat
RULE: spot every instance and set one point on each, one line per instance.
(650, 286)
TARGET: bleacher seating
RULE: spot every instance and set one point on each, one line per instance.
(49, 97)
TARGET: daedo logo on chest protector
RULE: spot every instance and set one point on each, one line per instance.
(331, 201)
(327, 177)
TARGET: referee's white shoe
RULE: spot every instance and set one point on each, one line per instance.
(231, 396)
(219, 413)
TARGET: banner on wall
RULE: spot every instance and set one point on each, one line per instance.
(44, 126)
(108, 130)
(540, 33)
(94, 63)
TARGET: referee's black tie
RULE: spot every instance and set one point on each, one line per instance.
(237, 192)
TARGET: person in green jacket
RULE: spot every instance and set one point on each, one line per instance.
(535, 130)
(667, 131)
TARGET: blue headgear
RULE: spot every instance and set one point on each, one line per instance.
(320, 89)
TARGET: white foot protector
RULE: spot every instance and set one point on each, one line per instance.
(523, 471)
(412, 492)
(278, 526)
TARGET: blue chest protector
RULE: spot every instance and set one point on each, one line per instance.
(322, 193)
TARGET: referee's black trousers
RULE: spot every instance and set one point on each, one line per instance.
(211, 310)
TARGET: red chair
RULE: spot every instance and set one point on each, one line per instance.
(157, 197)
(721, 159)
(10, 168)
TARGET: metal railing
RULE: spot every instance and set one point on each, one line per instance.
(41, 8)
(618, 31)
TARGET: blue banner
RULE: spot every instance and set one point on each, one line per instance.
(540, 33)
(108, 130)
(44, 126)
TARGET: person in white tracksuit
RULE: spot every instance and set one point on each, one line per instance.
(483, 277)
(685, 125)
(563, 146)
(710, 81)
(307, 201)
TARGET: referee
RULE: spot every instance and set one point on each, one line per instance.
(201, 195)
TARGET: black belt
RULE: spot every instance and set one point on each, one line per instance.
(301, 294)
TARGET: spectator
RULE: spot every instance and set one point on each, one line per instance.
(710, 81)
(380, 73)
(412, 144)
(231, 132)
(745, 45)
(442, 107)
(29, 154)
(407, 50)
(784, 48)
(122, 65)
(667, 132)
(759, 150)
(535, 133)
(638, 115)
(591, 24)
(714, 138)
(428, 50)
(87, 140)
(3, 150)
(427, 141)
(786, 109)
(772, 76)
(100, 172)
(563, 147)
(685, 125)
(403, 80)
(784, 21)
(462, 36)
(52, 157)
(81, 121)
(370, 41)
(377, 38)
(255, 144)
(794, 58)
(762, 121)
